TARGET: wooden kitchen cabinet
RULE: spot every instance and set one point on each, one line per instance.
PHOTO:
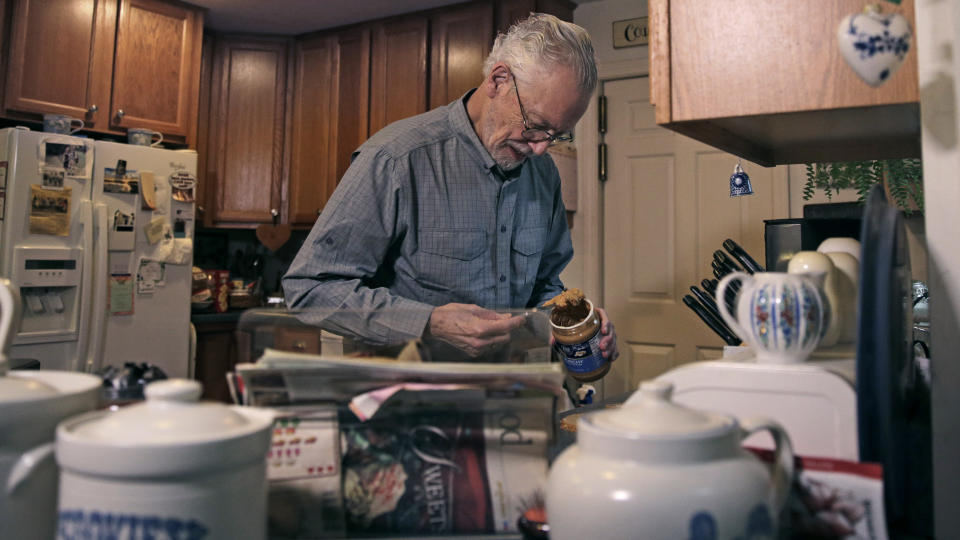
(765, 81)
(218, 352)
(511, 11)
(460, 38)
(398, 74)
(330, 115)
(245, 149)
(114, 64)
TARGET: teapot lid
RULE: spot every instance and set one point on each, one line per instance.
(171, 425)
(650, 413)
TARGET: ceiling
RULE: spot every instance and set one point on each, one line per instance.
(290, 17)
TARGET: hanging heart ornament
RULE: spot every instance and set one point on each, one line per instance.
(874, 44)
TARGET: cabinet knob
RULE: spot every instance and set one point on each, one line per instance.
(92, 109)
(319, 210)
(299, 345)
(120, 114)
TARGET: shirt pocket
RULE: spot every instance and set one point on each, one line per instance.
(450, 259)
(527, 249)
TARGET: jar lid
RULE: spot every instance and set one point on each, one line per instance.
(650, 413)
(169, 432)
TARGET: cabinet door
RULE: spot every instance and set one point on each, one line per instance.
(247, 133)
(398, 77)
(511, 11)
(156, 75)
(60, 58)
(330, 111)
(460, 38)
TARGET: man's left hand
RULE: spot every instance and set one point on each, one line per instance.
(608, 343)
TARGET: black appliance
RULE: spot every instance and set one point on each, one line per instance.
(893, 396)
(783, 238)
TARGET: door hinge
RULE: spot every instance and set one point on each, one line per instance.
(602, 162)
(602, 112)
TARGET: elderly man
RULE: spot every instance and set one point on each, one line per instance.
(447, 216)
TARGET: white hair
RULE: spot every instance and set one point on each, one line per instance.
(541, 42)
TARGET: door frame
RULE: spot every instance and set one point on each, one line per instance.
(590, 198)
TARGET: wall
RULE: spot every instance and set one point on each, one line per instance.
(938, 48)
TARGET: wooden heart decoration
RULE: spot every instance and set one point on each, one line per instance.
(273, 236)
(874, 44)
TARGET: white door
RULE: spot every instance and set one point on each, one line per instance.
(666, 209)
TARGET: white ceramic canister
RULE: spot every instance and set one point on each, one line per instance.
(782, 317)
(169, 467)
(655, 469)
(31, 404)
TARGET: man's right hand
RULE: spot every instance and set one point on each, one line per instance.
(471, 328)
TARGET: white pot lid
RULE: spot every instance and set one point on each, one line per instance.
(170, 432)
(651, 414)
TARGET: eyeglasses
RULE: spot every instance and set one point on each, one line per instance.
(537, 135)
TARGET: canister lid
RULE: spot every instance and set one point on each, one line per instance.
(170, 432)
(16, 390)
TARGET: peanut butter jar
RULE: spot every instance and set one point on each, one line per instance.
(579, 347)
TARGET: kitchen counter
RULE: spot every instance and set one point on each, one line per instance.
(231, 316)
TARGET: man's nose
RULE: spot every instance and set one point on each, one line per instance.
(539, 147)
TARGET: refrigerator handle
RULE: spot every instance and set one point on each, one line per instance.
(99, 308)
(86, 294)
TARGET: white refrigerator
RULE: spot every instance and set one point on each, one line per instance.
(98, 238)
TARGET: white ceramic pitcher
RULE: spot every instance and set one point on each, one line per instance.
(781, 316)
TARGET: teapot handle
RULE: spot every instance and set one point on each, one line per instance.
(731, 320)
(781, 478)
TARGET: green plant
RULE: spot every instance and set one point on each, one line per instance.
(902, 178)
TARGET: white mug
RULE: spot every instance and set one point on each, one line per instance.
(143, 137)
(61, 123)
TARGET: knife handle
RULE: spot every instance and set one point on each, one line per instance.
(705, 316)
(726, 261)
(748, 262)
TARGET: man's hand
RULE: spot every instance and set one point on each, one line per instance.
(471, 328)
(608, 343)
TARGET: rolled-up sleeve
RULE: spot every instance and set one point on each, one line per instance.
(328, 282)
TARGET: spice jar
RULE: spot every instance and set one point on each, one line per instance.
(579, 345)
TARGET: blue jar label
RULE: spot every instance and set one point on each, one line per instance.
(582, 357)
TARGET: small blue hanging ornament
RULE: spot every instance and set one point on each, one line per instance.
(740, 182)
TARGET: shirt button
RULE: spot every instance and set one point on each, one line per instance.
(503, 278)
(329, 241)
(503, 228)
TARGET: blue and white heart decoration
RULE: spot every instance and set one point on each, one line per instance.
(874, 44)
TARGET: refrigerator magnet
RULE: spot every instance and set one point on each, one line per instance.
(120, 236)
(52, 179)
(49, 211)
(148, 191)
(154, 230)
(183, 185)
(150, 276)
(66, 156)
(120, 288)
(121, 181)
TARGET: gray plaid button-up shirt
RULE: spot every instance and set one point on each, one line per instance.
(424, 217)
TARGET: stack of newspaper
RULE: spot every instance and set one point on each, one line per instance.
(373, 446)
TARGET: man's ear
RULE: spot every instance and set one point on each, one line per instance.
(499, 76)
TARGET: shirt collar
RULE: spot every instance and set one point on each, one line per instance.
(460, 121)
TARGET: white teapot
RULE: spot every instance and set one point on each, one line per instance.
(655, 469)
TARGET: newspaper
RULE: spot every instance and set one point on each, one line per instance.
(834, 499)
(431, 448)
